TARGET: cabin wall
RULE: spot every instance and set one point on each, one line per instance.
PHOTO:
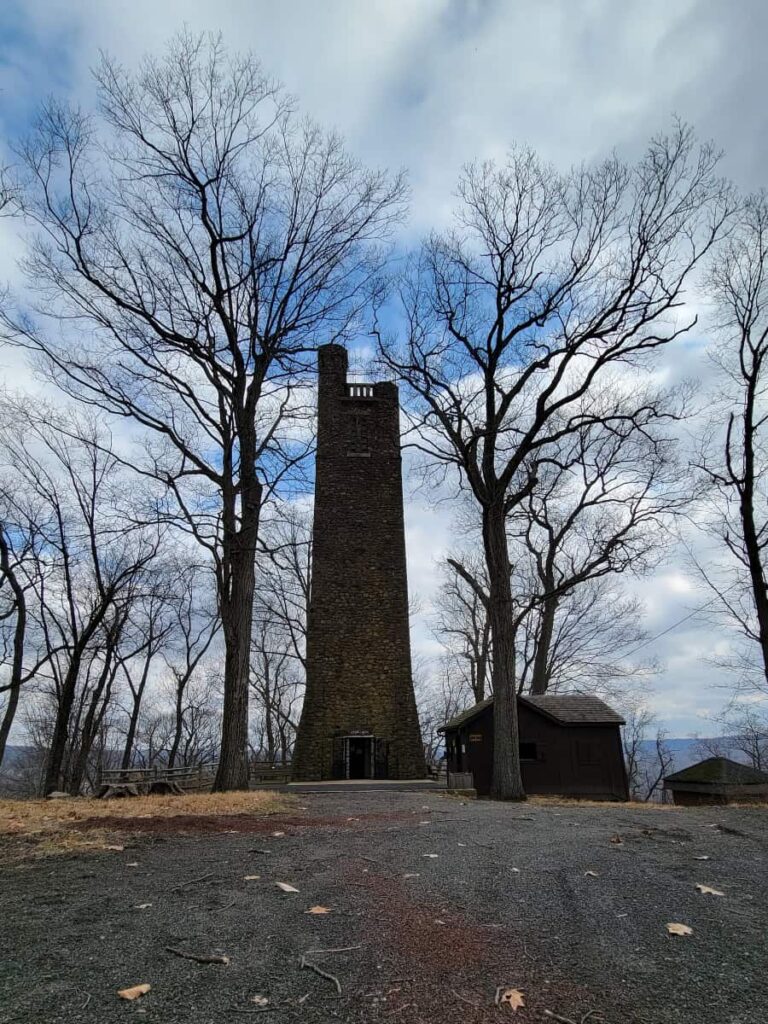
(570, 760)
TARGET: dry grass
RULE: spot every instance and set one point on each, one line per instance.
(44, 827)
(635, 805)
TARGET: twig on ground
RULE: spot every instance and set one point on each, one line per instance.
(318, 970)
(399, 1009)
(200, 958)
(557, 1017)
(262, 1009)
(464, 999)
(335, 949)
(192, 881)
(87, 1000)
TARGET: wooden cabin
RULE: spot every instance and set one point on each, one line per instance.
(570, 745)
(717, 780)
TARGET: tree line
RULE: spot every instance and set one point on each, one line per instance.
(187, 245)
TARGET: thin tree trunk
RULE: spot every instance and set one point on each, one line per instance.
(481, 668)
(138, 696)
(178, 725)
(238, 571)
(751, 538)
(507, 781)
(92, 720)
(60, 736)
(540, 677)
(19, 635)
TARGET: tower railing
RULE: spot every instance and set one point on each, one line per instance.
(360, 391)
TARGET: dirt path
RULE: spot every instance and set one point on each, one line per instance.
(415, 938)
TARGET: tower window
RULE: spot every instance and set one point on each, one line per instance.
(528, 751)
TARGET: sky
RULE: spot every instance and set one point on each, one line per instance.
(428, 85)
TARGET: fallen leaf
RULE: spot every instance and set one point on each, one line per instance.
(260, 1000)
(143, 906)
(135, 992)
(251, 878)
(115, 846)
(412, 874)
(513, 998)
(461, 844)
(703, 856)
(516, 870)
(132, 864)
(591, 874)
(617, 840)
(285, 887)
(432, 855)
(706, 890)
(425, 822)
(318, 910)
(438, 921)
(679, 929)
(278, 833)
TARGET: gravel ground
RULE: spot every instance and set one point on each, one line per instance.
(507, 902)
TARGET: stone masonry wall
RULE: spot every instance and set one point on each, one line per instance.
(358, 646)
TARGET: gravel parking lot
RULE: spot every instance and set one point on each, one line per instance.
(436, 906)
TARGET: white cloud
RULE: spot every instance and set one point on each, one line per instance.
(431, 85)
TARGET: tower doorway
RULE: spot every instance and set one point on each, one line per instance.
(359, 757)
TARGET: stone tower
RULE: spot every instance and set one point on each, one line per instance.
(359, 718)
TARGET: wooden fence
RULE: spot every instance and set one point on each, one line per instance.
(190, 777)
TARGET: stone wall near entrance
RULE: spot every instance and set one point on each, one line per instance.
(358, 647)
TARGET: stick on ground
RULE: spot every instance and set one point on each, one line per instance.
(318, 970)
(200, 958)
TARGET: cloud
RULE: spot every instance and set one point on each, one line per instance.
(430, 86)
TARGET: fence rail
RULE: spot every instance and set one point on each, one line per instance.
(189, 777)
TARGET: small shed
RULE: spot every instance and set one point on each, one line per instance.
(717, 780)
(570, 745)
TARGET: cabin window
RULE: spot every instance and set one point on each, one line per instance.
(528, 751)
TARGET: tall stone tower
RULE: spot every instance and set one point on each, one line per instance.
(359, 718)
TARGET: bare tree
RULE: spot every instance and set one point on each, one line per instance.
(744, 735)
(461, 621)
(277, 685)
(647, 760)
(605, 498)
(195, 625)
(438, 700)
(548, 284)
(66, 488)
(734, 445)
(149, 626)
(199, 240)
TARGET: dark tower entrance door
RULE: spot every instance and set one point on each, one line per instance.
(360, 757)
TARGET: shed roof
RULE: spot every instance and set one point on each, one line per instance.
(565, 708)
(719, 771)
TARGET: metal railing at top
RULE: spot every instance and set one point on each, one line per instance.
(360, 391)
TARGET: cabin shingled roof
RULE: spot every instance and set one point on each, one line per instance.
(566, 708)
(719, 771)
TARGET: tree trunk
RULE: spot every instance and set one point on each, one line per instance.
(507, 783)
(133, 722)
(92, 721)
(178, 724)
(749, 527)
(540, 678)
(237, 585)
(19, 635)
(481, 669)
(55, 763)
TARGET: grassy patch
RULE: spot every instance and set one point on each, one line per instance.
(45, 827)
